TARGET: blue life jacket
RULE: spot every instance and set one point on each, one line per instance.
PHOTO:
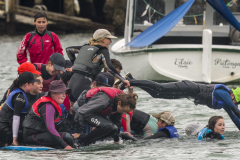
(216, 103)
(10, 96)
(202, 134)
(64, 112)
(172, 130)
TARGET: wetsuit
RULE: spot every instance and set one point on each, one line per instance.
(208, 133)
(81, 80)
(33, 98)
(39, 125)
(47, 78)
(12, 115)
(141, 123)
(95, 111)
(214, 96)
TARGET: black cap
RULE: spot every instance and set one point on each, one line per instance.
(105, 79)
(26, 77)
(68, 64)
(58, 61)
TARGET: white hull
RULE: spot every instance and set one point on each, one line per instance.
(176, 62)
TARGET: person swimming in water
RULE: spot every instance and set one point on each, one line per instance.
(214, 129)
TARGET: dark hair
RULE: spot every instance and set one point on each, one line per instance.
(40, 15)
(212, 122)
(66, 76)
(36, 76)
(15, 85)
(116, 64)
(128, 99)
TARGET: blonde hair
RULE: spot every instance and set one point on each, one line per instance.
(93, 42)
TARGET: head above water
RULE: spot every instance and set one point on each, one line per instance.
(216, 124)
(193, 128)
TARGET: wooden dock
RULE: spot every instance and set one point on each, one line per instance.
(25, 15)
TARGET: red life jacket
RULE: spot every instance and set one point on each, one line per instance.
(46, 83)
(45, 99)
(111, 92)
(124, 123)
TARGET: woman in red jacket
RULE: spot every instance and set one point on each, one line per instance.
(39, 42)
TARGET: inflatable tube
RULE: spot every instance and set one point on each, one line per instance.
(26, 148)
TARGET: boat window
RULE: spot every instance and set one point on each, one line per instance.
(148, 12)
(233, 6)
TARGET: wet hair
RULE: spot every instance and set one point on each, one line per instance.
(128, 99)
(116, 64)
(93, 42)
(212, 122)
(66, 76)
(40, 15)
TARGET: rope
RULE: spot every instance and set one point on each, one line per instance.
(229, 4)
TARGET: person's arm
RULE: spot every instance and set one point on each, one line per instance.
(221, 94)
(4, 97)
(18, 103)
(57, 44)
(22, 50)
(71, 51)
(116, 119)
(160, 134)
(47, 112)
(98, 102)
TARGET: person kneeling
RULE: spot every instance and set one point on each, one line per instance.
(39, 124)
(166, 127)
(102, 102)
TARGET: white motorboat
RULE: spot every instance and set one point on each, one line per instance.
(192, 50)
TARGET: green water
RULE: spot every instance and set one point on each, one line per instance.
(184, 110)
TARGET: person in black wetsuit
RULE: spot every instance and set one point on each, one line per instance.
(166, 127)
(99, 103)
(40, 123)
(15, 109)
(24, 67)
(36, 91)
(90, 61)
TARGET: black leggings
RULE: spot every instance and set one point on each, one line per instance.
(174, 90)
(78, 83)
(104, 128)
(32, 137)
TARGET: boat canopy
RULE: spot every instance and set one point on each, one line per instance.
(223, 10)
(162, 27)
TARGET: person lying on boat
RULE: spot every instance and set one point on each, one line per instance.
(24, 67)
(40, 123)
(52, 70)
(90, 61)
(215, 96)
(15, 109)
(214, 129)
(40, 43)
(139, 123)
(193, 128)
(99, 103)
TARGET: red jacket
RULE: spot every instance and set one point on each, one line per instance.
(39, 48)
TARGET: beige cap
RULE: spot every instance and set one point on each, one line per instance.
(166, 116)
(102, 33)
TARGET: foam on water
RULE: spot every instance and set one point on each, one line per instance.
(184, 110)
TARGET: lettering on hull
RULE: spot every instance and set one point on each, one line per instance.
(182, 63)
(226, 63)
